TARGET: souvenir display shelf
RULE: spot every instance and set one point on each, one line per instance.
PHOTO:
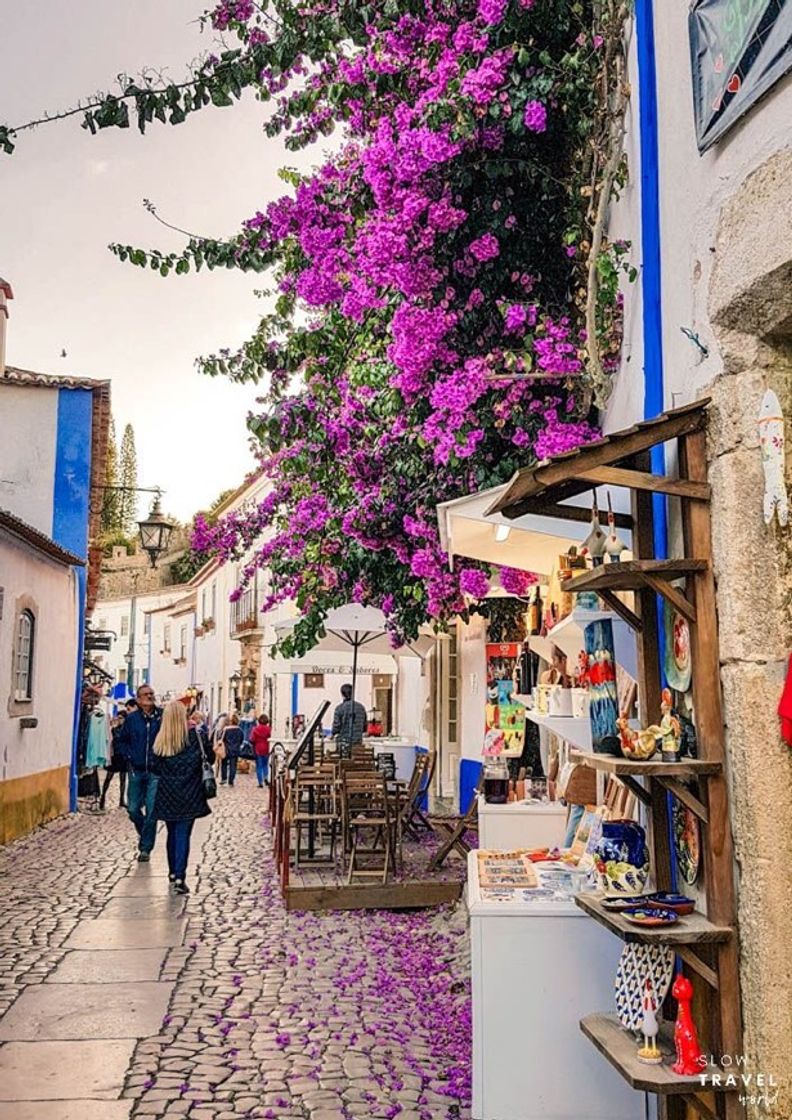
(707, 945)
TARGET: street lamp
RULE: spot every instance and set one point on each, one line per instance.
(234, 681)
(155, 532)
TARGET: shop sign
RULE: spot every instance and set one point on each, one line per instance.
(738, 51)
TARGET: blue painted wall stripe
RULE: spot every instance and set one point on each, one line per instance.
(652, 292)
(70, 513)
(72, 484)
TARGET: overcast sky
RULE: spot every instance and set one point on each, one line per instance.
(64, 195)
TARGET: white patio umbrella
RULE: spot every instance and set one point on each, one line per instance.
(356, 628)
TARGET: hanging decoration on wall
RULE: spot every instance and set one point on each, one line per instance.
(603, 697)
(738, 51)
(503, 713)
(677, 648)
(687, 840)
(771, 440)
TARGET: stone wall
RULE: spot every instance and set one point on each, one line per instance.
(751, 310)
(126, 575)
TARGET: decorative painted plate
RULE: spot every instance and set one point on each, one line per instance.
(687, 841)
(636, 963)
(651, 916)
(615, 905)
(677, 648)
(679, 903)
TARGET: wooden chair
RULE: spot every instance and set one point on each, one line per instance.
(316, 805)
(367, 806)
(450, 830)
(423, 774)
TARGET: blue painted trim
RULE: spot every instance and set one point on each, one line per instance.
(80, 591)
(72, 482)
(71, 502)
(295, 694)
(652, 290)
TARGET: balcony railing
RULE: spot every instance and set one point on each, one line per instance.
(246, 613)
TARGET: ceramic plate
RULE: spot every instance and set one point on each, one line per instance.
(687, 841)
(679, 903)
(617, 904)
(677, 648)
(636, 963)
(650, 916)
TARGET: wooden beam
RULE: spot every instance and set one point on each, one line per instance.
(705, 662)
(643, 480)
(675, 597)
(621, 445)
(700, 1107)
(634, 786)
(542, 508)
(697, 964)
(683, 794)
(621, 609)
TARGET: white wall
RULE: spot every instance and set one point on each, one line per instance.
(693, 188)
(472, 686)
(27, 453)
(53, 589)
(413, 720)
(108, 615)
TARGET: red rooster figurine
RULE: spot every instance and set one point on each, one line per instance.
(690, 1060)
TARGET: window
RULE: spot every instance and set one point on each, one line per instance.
(166, 638)
(124, 625)
(145, 676)
(122, 676)
(183, 643)
(203, 605)
(23, 669)
(214, 600)
(146, 624)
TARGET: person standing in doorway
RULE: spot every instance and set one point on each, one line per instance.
(180, 796)
(231, 738)
(260, 738)
(136, 742)
(349, 719)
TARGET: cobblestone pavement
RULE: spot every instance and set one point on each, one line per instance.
(249, 1011)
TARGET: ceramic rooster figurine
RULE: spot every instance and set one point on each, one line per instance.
(635, 744)
(614, 545)
(649, 1052)
(594, 544)
(689, 1059)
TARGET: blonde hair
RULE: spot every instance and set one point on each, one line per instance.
(172, 735)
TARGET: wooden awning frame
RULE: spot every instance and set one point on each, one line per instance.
(616, 460)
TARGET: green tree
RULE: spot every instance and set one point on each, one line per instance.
(128, 474)
(110, 504)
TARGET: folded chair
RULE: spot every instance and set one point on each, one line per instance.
(316, 805)
(450, 830)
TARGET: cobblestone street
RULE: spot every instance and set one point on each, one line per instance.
(121, 1000)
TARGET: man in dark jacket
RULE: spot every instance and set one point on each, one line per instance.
(349, 719)
(136, 743)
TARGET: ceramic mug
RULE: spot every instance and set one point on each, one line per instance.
(580, 703)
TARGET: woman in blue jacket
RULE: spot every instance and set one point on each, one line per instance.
(178, 763)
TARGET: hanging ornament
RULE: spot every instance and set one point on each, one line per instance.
(771, 440)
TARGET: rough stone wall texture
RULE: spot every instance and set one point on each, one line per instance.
(116, 579)
(751, 309)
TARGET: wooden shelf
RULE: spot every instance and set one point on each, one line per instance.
(620, 1047)
(686, 768)
(630, 574)
(690, 929)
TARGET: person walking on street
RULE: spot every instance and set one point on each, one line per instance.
(136, 742)
(231, 740)
(215, 736)
(178, 760)
(260, 738)
(349, 720)
(116, 764)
